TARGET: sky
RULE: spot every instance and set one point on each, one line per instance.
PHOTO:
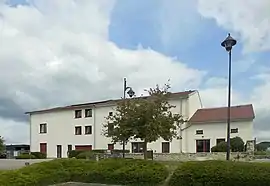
(55, 53)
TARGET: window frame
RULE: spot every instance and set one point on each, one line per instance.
(41, 125)
(85, 129)
(79, 127)
(234, 131)
(199, 132)
(75, 114)
(90, 111)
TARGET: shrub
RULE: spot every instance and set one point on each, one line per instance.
(237, 144)
(221, 147)
(39, 155)
(109, 171)
(74, 153)
(119, 151)
(221, 173)
(25, 156)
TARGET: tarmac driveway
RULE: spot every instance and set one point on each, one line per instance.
(8, 164)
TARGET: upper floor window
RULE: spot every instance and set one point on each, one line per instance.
(78, 113)
(78, 130)
(110, 113)
(43, 128)
(234, 130)
(199, 131)
(88, 113)
(88, 129)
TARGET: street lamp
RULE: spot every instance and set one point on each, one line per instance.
(228, 43)
(131, 93)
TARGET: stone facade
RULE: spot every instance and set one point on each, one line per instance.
(195, 156)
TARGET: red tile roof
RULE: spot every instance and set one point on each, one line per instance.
(241, 112)
(106, 102)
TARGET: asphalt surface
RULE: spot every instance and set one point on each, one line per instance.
(9, 164)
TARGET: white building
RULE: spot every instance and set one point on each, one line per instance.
(57, 130)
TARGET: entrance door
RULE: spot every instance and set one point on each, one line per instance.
(59, 151)
(203, 145)
(43, 148)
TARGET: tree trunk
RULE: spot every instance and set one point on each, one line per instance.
(145, 150)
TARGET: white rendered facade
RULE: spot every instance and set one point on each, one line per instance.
(60, 128)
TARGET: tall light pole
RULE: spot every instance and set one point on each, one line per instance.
(131, 93)
(228, 43)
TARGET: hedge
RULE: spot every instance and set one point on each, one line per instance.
(221, 173)
(75, 153)
(33, 155)
(109, 171)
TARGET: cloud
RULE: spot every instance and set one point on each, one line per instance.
(55, 54)
(248, 18)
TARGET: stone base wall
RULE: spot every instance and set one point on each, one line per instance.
(195, 156)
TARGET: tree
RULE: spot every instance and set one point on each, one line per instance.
(2, 144)
(146, 118)
(221, 147)
(237, 144)
(117, 126)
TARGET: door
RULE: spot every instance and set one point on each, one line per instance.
(43, 148)
(83, 147)
(203, 145)
(59, 151)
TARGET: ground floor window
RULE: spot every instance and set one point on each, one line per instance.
(220, 140)
(203, 145)
(110, 146)
(137, 147)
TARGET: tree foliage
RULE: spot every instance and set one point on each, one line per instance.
(237, 145)
(145, 118)
(2, 144)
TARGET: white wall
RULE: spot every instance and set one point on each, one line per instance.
(61, 129)
(215, 131)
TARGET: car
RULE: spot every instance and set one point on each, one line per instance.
(3, 156)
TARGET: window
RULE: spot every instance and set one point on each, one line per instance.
(165, 147)
(110, 113)
(88, 113)
(110, 128)
(234, 130)
(137, 147)
(220, 140)
(78, 130)
(110, 146)
(78, 113)
(88, 130)
(43, 128)
(203, 145)
(199, 131)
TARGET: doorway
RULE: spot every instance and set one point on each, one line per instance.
(203, 145)
(59, 151)
(43, 148)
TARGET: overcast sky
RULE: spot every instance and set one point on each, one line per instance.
(58, 52)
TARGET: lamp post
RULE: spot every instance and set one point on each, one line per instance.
(131, 93)
(228, 43)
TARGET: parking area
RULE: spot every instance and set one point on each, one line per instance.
(8, 164)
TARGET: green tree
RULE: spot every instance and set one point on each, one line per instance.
(2, 144)
(237, 144)
(118, 126)
(155, 118)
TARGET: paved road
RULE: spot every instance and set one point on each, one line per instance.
(7, 164)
